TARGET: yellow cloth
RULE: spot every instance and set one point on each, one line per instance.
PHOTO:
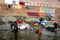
(36, 25)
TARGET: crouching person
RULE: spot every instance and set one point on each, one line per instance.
(39, 31)
(55, 27)
(39, 34)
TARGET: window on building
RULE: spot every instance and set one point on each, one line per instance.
(9, 6)
(29, 7)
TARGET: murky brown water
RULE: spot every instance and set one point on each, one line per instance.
(7, 34)
(25, 35)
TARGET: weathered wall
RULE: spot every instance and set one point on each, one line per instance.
(2, 1)
(22, 12)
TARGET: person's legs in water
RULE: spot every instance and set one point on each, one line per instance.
(16, 34)
(16, 30)
(39, 34)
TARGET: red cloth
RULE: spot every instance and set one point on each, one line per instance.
(19, 21)
(22, 3)
(33, 14)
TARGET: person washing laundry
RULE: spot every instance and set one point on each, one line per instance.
(55, 26)
(39, 32)
(14, 27)
(42, 22)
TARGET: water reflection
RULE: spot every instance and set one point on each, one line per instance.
(23, 36)
(39, 36)
(55, 38)
(28, 35)
(16, 36)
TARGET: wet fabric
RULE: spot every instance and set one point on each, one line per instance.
(36, 25)
(43, 23)
(39, 31)
(19, 21)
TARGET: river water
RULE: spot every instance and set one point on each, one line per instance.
(7, 34)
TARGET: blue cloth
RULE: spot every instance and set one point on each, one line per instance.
(43, 22)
